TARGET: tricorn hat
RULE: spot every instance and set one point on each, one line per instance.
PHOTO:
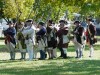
(50, 21)
(41, 23)
(76, 22)
(29, 20)
(62, 21)
(89, 19)
(9, 22)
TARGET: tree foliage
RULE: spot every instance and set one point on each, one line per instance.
(47, 9)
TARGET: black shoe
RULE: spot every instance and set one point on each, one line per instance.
(76, 57)
(54, 57)
(12, 59)
(90, 56)
(64, 56)
(21, 58)
(60, 56)
(41, 59)
(51, 58)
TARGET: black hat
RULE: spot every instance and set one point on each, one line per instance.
(41, 23)
(76, 22)
(9, 22)
(29, 20)
(89, 19)
(50, 21)
(62, 21)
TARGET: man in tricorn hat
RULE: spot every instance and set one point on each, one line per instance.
(78, 39)
(90, 34)
(21, 40)
(63, 39)
(28, 33)
(41, 40)
(10, 39)
(51, 39)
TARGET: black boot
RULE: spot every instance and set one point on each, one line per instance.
(77, 54)
(61, 50)
(65, 56)
(24, 55)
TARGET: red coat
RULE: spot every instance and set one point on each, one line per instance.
(60, 34)
(91, 31)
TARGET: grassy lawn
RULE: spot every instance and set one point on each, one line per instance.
(2, 46)
(50, 67)
(70, 66)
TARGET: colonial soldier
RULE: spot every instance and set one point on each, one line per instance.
(63, 39)
(51, 39)
(28, 33)
(78, 39)
(91, 31)
(41, 39)
(10, 39)
(21, 40)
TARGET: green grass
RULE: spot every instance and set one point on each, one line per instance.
(2, 38)
(51, 67)
(70, 66)
(2, 46)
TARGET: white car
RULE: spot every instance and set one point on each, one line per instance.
(1, 29)
(3, 26)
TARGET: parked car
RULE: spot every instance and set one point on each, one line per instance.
(1, 29)
(3, 26)
(97, 25)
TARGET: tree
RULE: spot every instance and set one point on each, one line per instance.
(1, 8)
(47, 9)
(16, 8)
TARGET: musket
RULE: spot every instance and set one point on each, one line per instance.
(31, 10)
(33, 7)
(48, 17)
(19, 11)
(18, 15)
(69, 31)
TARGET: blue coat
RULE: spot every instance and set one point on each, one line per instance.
(41, 32)
(10, 32)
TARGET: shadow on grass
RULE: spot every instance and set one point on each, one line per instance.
(79, 67)
(9, 61)
(18, 60)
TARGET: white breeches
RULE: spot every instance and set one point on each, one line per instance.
(10, 46)
(30, 51)
(78, 46)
